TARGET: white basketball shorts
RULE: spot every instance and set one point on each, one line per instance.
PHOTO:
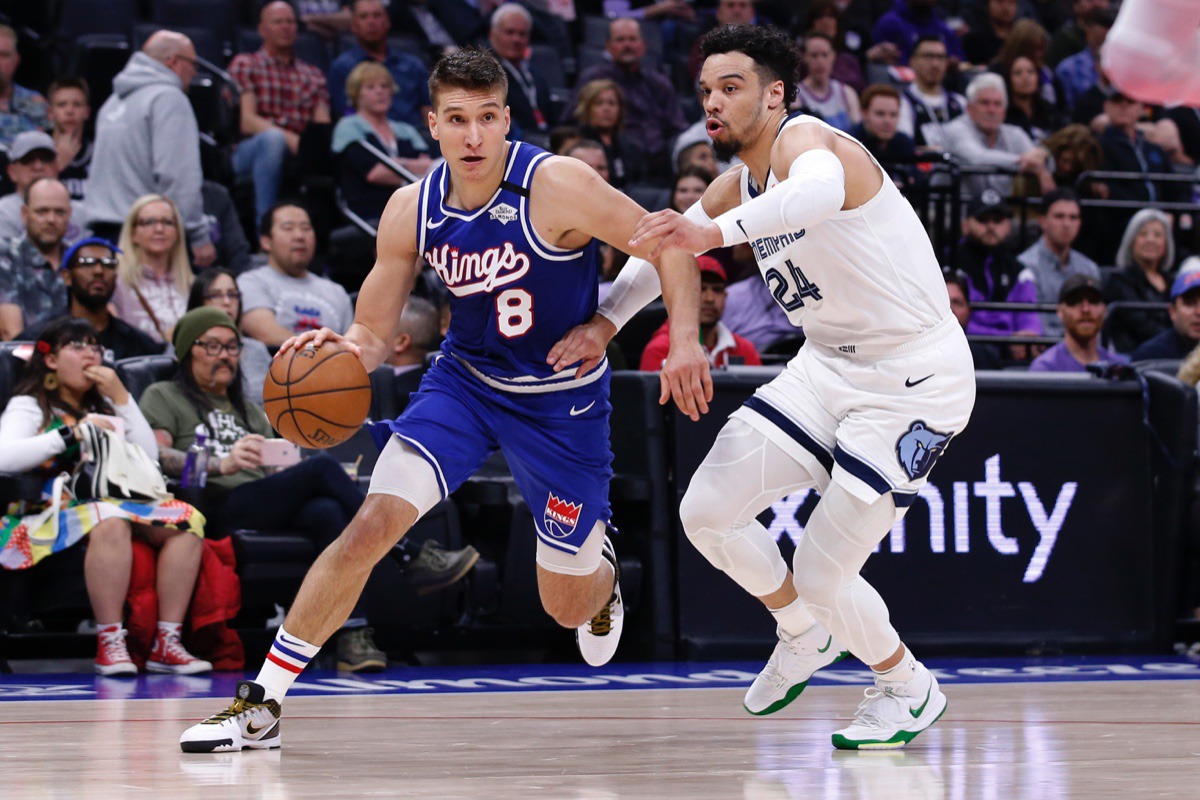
(875, 419)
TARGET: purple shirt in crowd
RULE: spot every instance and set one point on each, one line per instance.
(1004, 323)
(1059, 359)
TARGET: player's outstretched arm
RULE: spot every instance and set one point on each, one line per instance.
(1152, 52)
(611, 217)
(385, 289)
(815, 188)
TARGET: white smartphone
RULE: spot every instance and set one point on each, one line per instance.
(279, 453)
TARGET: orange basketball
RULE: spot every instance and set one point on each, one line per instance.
(317, 397)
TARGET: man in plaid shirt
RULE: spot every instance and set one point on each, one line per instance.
(280, 95)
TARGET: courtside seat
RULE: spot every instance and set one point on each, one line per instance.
(137, 374)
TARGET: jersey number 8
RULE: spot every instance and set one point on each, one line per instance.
(514, 312)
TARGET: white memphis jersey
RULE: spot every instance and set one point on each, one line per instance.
(865, 276)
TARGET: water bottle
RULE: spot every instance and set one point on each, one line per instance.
(195, 464)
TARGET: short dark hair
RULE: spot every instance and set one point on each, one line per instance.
(69, 82)
(959, 279)
(1061, 194)
(469, 68)
(926, 39)
(772, 50)
(267, 222)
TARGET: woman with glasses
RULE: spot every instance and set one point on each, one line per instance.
(66, 385)
(154, 276)
(217, 287)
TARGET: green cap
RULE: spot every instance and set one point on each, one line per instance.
(196, 323)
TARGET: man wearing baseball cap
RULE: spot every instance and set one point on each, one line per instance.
(1183, 335)
(1081, 309)
(32, 155)
(722, 346)
(89, 268)
(993, 273)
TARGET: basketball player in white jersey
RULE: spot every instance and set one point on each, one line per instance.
(1152, 52)
(861, 413)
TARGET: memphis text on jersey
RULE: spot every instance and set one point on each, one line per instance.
(477, 273)
(770, 245)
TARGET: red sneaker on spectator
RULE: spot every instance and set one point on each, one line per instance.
(170, 656)
(112, 657)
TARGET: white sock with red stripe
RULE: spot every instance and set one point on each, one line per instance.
(286, 659)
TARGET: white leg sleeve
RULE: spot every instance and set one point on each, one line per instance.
(742, 474)
(1153, 51)
(841, 534)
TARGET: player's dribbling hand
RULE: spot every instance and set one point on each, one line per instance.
(316, 339)
(671, 229)
(583, 344)
(685, 376)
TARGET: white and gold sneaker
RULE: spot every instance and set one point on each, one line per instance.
(598, 637)
(250, 723)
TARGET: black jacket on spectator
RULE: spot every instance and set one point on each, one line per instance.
(521, 104)
(366, 199)
(922, 115)
(233, 251)
(626, 161)
(119, 340)
(895, 155)
(1046, 119)
(993, 272)
(1088, 106)
(1187, 119)
(1102, 231)
(1129, 329)
(1168, 344)
(458, 17)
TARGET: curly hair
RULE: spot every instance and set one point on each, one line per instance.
(774, 52)
(471, 69)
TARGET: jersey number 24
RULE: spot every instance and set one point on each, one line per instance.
(791, 294)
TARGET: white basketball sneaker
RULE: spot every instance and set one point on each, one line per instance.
(250, 723)
(598, 637)
(893, 713)
(790, 667)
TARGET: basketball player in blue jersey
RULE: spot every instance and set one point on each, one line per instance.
(862, 412)
(512, 231)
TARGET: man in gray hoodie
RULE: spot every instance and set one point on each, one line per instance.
(147, 142)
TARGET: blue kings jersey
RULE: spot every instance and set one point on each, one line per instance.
(513, 295)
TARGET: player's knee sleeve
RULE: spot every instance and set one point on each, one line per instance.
(400, 471)
(841, 534)
(743, 551)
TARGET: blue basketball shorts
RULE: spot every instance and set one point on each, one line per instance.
(556, 444)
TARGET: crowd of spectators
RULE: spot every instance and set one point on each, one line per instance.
(128, 208)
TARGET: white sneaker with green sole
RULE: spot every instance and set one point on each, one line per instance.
(790, 668)
(892, 714)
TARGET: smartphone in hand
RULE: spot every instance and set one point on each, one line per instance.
(279, 453)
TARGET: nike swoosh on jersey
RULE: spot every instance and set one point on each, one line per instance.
(576, 413)
(909, 382)
(430, 224)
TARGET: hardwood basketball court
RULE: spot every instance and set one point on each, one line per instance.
(1086, 728)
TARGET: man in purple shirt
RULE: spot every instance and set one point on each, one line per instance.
(1081, 308)
(908, 21)
(993, 272)
(652, 112)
